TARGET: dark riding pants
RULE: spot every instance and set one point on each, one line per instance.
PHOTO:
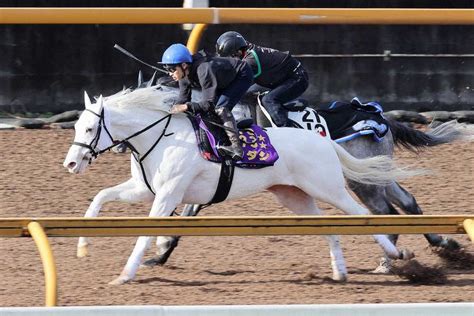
(288, 90)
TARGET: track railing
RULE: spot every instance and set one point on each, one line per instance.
(40, 228)
(234, 15)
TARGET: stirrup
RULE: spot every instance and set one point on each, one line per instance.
(230, 151)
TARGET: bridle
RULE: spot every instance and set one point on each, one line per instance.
(94, 153)
(93, 144)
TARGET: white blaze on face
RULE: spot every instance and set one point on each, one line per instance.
(78, 157)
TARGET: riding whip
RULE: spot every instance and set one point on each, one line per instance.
(124, 51)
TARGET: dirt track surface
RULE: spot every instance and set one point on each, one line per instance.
(210, 270)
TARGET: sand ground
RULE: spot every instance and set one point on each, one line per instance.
(211, 270)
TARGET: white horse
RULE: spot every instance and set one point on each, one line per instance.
(168, 160)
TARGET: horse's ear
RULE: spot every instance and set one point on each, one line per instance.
(150, 83)
(87, 100)
(140, 79)
(100, 102)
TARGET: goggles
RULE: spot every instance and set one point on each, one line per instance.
(170, 68)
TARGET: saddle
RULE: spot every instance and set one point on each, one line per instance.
(347, 121)
(300, 115)
(258, 150)
(340, 120)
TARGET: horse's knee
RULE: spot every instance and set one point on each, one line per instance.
(403, 199)
(408, 204)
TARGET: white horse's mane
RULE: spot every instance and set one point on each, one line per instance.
(153, 98)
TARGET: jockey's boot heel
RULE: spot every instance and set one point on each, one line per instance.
(235, 150)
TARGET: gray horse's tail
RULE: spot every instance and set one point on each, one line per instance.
(415, 140)
(378, 170)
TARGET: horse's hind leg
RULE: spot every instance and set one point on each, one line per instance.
(334, 193)
(301, 203)
(376, 200)
(407, 202)
(129, 191)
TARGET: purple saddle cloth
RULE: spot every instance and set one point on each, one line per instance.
(258, 150)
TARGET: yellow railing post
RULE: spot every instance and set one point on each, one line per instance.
(195, 37)
(49, 267)
(469, 228)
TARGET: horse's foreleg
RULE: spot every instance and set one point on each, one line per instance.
(301, 203)
(166, 200)
(407, 202)
(166, 244)
(129, 191)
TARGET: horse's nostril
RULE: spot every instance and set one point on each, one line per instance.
(71, 165)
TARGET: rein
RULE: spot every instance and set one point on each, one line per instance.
(95, 153)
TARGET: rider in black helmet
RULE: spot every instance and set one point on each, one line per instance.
(273, 69)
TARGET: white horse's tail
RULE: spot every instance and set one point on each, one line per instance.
(378, 170)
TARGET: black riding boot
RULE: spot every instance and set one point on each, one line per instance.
(278, 114)
(235, 149)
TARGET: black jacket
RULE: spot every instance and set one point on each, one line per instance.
(211, 74)
(270, 66)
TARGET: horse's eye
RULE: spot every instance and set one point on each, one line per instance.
(88, 130)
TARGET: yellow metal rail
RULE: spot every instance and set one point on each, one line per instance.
(233, 15)
(40, 228)
(239, 226)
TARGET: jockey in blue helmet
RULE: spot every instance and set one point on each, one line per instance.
(176, 54)
(223, 82)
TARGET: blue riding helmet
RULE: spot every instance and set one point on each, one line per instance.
(176, 54)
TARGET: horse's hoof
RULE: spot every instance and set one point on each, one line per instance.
(406, 254)
(153, 262)
(119, 281)
(82, 251)
(383, 268)
(450, 244)
(340, 278)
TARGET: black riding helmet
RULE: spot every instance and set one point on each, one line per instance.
(229, 43)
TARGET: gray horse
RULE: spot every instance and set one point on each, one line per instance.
(380, 200)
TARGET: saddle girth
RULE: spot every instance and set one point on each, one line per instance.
(225, 180)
